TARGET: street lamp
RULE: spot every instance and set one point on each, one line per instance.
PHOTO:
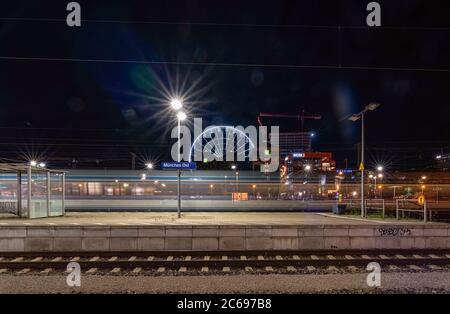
(308, 167)
(354, 118)
(149, 165)
(380, 168)
(177, 104)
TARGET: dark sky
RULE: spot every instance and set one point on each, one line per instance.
(254, 56)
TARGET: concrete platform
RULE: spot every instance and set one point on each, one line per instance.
(216, 231)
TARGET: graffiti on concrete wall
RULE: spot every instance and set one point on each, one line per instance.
(394, 231)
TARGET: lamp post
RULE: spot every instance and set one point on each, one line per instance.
(181, 116)
(354, 118)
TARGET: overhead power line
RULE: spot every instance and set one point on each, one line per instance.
(216, 24)
(224, 64)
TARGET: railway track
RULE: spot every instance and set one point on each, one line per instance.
(182, 261)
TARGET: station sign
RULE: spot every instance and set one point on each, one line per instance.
(175, 165)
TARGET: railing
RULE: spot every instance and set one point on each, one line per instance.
(410, 205)
(376, 204)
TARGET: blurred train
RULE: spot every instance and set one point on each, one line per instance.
(156, 190)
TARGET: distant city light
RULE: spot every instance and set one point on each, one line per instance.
(233, 167)
(149, 165)
(354, 193)
(380, 175)
(313, 134)
(380, 168)
(176, 104)
(33, 163)
(438, 156)
(307, 167)
(370, 176)
(42, 165)
(424, 177)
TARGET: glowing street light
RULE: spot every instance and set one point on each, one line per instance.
(33, 163)
(176, 104)
(233, 167)
(308, 167)
(380, 168)
(181, 116)
(149, 165)
(42, 165)
(424, 177)
(380, 175)
(354, 118)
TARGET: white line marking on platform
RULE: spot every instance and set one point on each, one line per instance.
(314, 257)
(91, 271)
(247, 268)
(296, 257)
(4, 223)
(77, 258)
(331, 257)
(115, 270)
(161, 269)
(400, 256)
(206, 258)
(260, 258)
(348, 257)
(27, 223)
(99, 223)
(383, 256)
(205, 269)
(352, 218)
(18, 259)
(150, 258)
(243, 258)
(50, 223)
(433, 256)
(365, 256)
(224, 258)
(112, 259)
(278, 257)
(310, 268)
(95, 258)
(352, 268)
(132, 258)
(226, 269)
(269, 268)
(417, 256)
(74, 223)
(46, 271)
(169, 258)
(3, 270)
(182, 269)
(137, 270)
(37, 259)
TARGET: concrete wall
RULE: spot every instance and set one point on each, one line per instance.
(160, 238)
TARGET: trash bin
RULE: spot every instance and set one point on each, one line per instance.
(339, 209)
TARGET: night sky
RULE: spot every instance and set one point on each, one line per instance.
(240, 58)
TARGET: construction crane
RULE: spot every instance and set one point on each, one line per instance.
(301, 117)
